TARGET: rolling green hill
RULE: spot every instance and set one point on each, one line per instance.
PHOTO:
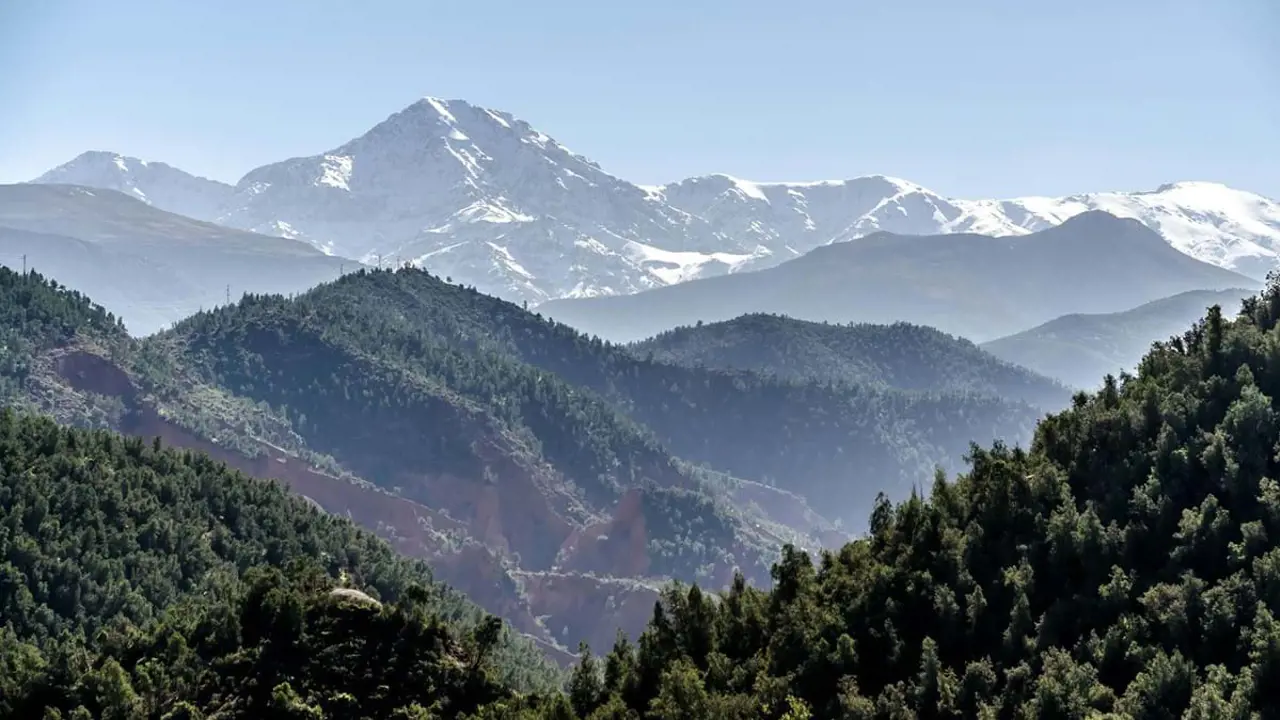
(899, 356)
(498, 446)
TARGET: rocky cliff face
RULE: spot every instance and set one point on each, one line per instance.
(588, 607)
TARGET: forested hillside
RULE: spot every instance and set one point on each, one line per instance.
(395, 405)
(517, 444)
(900, 356)
(829, 442)
(480, 464)
(141, 582)
(1123, 566)
(1126, 566)
(36, 314)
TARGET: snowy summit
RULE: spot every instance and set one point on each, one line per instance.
(482, 196)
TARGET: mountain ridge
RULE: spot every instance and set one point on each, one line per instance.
(481, 195)
(975, 286)
(1081, 348)
(149, 265)
(903, 356)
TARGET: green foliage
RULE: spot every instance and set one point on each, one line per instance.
(36, 314)
(1126, 567)
(900, 356)
(354, 379)
(690, 534)
(400, 343)
(137, 581)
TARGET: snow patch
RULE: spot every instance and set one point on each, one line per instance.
(438, 251)
(673, 266)
(491, 212)
(335, 172)
(748, 188)
(469, 163)
(497, 118)
(592, 245)
(442, 108)
(503, 258)
(284, 229)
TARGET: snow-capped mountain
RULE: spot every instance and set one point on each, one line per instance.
(483, 197)
(479, 195)
(791, 219)
(155, 183)
(1230, 228)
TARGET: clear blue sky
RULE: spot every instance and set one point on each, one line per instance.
(972, 98)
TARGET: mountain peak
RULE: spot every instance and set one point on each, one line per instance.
(154, 183)
(1193, 185)
(95, 161)
(437, 107)
(1101, 222)
(1096, 218)
(487, 198)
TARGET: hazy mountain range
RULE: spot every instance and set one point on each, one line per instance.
(149, 266)
(1080, 349)
(975, 286)
(486, 198)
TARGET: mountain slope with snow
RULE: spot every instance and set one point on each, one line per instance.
(485, 198)
(482, 196)
(979, 287)
(154, 183)
(1230, 228)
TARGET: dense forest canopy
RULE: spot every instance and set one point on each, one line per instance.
(1125, 566)
(137, 581)
(900, 356)
(36, 313)
(596, 403)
